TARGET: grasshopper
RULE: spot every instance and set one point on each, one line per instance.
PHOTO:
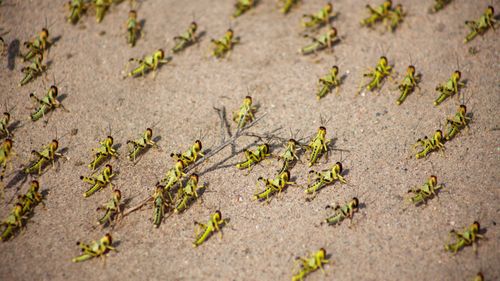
(254, 157)
(289, 156)
(450, 88)
(186, 39)
(425, 192)
(242, 6)
(76, 9)
(225, 44)
(310, 264)
(428, 145)
(468, 237)
(382, 70)
(3, 47)
(187, 193)
(457, 124)
(46, 104)
(482, 25)
(408, 84)
(37, 46)
(95, 249)
(439, 5)
(287, 5)
(394, 17)
(104, 152)
(149, 63)
(136, 147)
(328, 82)
(325, 177)
(479, 277)
(160, 204)
(343, 212)
(99, 181)
(322, 42)
(272, 186)
(318, 146)
(112, 208)
(377, 14)
(48, 154)
(318, 19)
(133, 28)
(13, 221)
(173, 176)
(31, 198)
(246, 113)
(101, 7)
(5, 155)
(4, 125)
(214, 224)
(32, 71)
(189, 156)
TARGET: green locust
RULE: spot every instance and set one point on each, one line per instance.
(343, 212)
(425, 192)
(31, 198)
(4, 125)
(439, 5)
(328, 82)
(318, 19)
(324, 41)
(5, 155)
(103, 153)
(48, 154)
(99, 181)
(186, 39)
(149, 63)
(428, 145)
(242, 6)
(76, 9)
(273, 186)
(289, 156)
(136, 147)
(133, 28)
(13, 221)
(46, 104)
(95, 249)
(450, 88)
(287, 5)
(187, 193)
(37, 46)
(112, 209)
(318, 146)
(408, 84)
(32, 71)
(173, 176)
(324, 178)
(310, 264)
(254, 157)
(160, 204)
(468, 237)
(246, 112)
(225, 44)
(457, 123)
(382, 70)
(101, 7)
(205, 230)
(482, 25)
(394, 17)
(189, 156)
(377, 14)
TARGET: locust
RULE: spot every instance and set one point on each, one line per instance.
(242, 6)
(173, 176)
(425, 192)
(3, 47)
(225, 44)
(101, 7)
(318, 19)
(186, 39)
(133, 28)
(95, 248)
(450, 88)
(112, 209)
(310, 264)
(105, 151)
(408, 84)
(5, 155)
(46, 155)
(187, 193)
(289, 156)
(136, 147)
(377, 14)
(324, 41)
(394, 17)
(159, 205)
(76, 9)
(287, 5)
(482, 25)
(149, 63)
(254, 157)
(342, 212)
(32, 71)
(479, 277)
(99, 181)
(246, 113)
(189, 156)
(204, 231)
(318, 146)
(4, 125)
(382, 70)
(324, 178)
(272, 186)
(13, 221)
(439, 5)
(468, 237)
(37, 46)
(328, 82)
(31, 198)
(456, 124)
(428, 145)
(46, 104)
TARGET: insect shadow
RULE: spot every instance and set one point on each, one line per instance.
(13, 50)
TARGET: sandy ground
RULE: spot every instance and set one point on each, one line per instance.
(389, 240)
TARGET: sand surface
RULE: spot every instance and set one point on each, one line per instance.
(388, 239)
